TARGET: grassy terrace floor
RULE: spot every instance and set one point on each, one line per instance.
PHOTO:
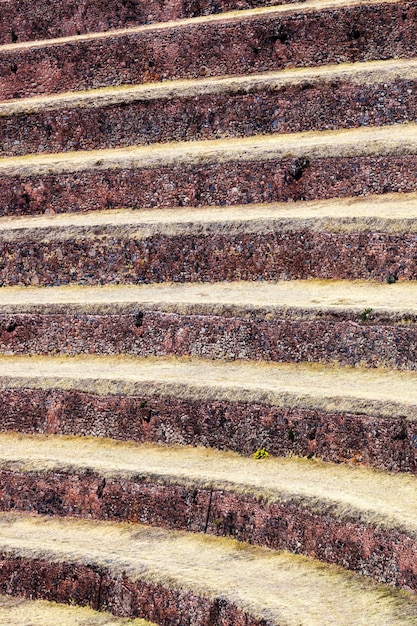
(368, 496)
(392, 213)
(291, 299)
(19, 612)
(210, 567)
(398, 139)
(355, 73)
(329, 388)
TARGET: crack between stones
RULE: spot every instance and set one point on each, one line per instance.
(208, 511)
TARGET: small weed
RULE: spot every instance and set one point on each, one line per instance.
(291, 435)
(366, 314)
(261, 453)
(217, 522)
(392, 278)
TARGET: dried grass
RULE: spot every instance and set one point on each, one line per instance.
(391, 213)
(378, 391)
(393, 140)
(369, 496)
(284, 588)
(298, 299)
(22, 612)
(374, 72)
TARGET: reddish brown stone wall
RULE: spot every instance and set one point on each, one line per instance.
(23, 20)
(308, 106)
(59, 582)
(346, 340)
(368, 439)
(89, 495)
(214, 257)
(389, 556)
(208, 184)
(262, 43)
(94, 586)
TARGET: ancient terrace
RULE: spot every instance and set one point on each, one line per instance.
(208, 313)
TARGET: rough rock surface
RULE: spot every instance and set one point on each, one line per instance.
(388, 555)
(257, 44)
(94, 587)
(209, 184)
(25, 21)
(348, 340)
(376, 441)
(291, 108)
(280, 255)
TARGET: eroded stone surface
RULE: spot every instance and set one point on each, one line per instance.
(279, 255)
(89, 585)
(209, 184)
(261, 43)
(358, 438)
(291, 108)
(390, 556)
(348, 339)
(25, 21)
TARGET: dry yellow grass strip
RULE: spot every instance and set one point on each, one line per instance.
(354, 73)
(369, 496)
(22, 612)
(294, 299)
(394, 213)
(285, 589)
(393, 140)
(237, 15)
(331, 388)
